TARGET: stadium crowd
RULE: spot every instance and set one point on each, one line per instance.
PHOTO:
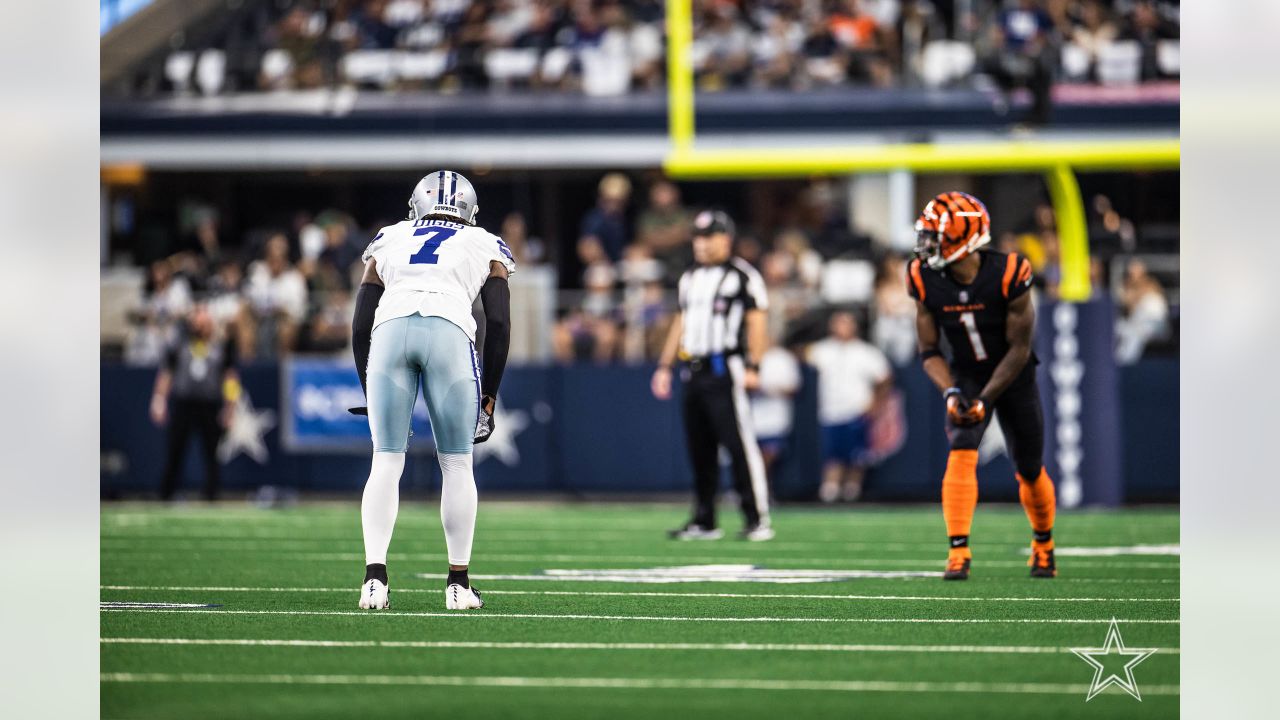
(609, 47)
(278, 291)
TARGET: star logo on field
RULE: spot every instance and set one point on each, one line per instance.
(1113, 649)
(247, 431)
(502, 443)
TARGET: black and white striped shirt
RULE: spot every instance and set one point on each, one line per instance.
(714, 300)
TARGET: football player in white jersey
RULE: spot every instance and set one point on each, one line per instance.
(413, 325)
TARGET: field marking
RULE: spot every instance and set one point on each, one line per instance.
(1114, 550)
(656, 559)
(604, 537)
(624, 683)
(732, 647)
(603, 593)
(655, 618)
(152, 605)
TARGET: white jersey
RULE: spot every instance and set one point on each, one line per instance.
(434, 268)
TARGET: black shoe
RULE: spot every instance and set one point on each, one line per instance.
(695, 531)
(957, 569)
(1042, 564)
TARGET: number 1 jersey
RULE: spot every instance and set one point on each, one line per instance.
(434, 268)
(973, 317)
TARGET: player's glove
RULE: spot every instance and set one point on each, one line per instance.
(362, 410)
(956, 404)
(484, 425)
(962, 411)
(975, 413)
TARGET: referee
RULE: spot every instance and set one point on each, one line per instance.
(195, 392)
(720, 335)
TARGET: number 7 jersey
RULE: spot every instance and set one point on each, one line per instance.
(973, 317)
(434, 268)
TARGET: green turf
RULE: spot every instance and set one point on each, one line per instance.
(263, 567)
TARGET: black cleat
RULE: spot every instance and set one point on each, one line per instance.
(957, 567)
(1041, 562)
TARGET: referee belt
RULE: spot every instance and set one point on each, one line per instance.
(715, 364)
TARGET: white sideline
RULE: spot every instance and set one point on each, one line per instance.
(766, 596)
(625, 683)
(650, 618)
(735, 647)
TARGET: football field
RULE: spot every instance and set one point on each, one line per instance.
(234, 612)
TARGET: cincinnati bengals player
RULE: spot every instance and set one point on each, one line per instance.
(980, 301)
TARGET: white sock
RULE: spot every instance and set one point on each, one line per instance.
(379, 505)
(458, 505)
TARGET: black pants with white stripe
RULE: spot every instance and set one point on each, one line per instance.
(716, 414)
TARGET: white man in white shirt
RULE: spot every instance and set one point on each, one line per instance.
(854, 377)
(772, 404)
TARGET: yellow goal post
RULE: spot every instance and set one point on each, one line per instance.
(1057, 160)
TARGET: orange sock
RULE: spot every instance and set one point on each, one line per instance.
(960, 491)
(1039, 502)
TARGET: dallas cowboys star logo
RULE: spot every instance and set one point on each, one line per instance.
(502, 443)
(1113, 646)
(246, 433)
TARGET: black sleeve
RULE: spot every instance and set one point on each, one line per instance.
(496, 298)
(367, 298)
(477, 314)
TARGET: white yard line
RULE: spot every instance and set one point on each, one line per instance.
(731, 647)
(654, 618)
(588, 593)
(655, 559)
(625, 683)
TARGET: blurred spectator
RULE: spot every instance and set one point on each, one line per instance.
(167, 299)
(328, 330)
(195, 391)
(1022, 54)
(853, 378)
(663, 228)
(607, 47)
(776, 51)
(859, 33)
(806, 263)
(828, 223)
(640, 272)
(772, 406)
(277, 295)
(721, 47)
(1146, 313)
(604, 227)
(1146, 27)
(894, 329)
(1093, 32)
(590, 330)
(527, 250)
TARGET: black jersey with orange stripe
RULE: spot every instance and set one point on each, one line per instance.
(973, 317)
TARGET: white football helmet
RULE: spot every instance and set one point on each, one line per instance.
(444, 192)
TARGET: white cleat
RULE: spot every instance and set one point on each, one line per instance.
(374, 596)
(457, 597)
(757, 533)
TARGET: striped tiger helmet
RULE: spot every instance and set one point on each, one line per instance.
(951, 226)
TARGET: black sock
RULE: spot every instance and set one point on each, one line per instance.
(376, 571)
(457, 577)
(1042, 537)
(959, 541)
